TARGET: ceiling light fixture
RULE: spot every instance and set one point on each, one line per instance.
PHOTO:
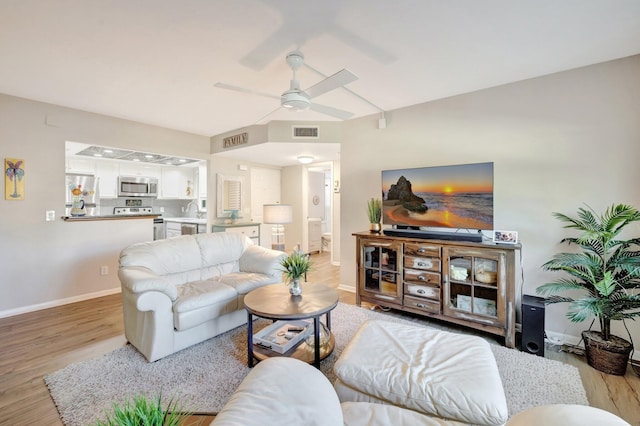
(305, 159)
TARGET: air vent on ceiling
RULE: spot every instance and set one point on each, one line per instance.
(307, 132)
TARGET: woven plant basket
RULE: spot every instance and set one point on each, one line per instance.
(609, 356)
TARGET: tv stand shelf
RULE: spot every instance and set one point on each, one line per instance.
(462, 282)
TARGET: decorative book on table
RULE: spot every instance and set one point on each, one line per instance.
(282, 336)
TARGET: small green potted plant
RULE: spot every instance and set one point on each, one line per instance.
(294, 267)
(606, 275)
(374, 210)
(145, 412)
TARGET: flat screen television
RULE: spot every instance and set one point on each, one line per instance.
(450, 197)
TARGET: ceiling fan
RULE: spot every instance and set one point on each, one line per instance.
(297, 99)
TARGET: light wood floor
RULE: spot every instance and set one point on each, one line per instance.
(38, 343)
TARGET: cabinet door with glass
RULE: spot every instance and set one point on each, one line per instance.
(475, 284)
(381, 270)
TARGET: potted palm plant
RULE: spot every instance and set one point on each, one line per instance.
(294, 267)
(605, 273)
(374, 210)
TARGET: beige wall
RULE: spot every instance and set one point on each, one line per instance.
(46, 263)
(556, 142)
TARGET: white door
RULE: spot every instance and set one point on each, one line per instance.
(265, 189)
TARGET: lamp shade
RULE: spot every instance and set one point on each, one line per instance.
(277, 213)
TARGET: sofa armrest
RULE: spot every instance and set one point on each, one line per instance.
(261, 260)
(282, 391)
(139, 280)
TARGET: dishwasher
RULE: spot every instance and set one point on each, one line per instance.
(189, 228)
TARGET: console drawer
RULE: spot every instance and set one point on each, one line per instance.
(421, 277)
(425, 263)
(422, 304)
(421, 250)
(422, 291)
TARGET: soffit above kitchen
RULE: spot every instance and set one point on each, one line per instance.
(157, 61)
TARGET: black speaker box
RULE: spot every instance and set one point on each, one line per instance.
(533, 325)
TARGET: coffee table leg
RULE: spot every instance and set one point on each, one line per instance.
(316, 339)
(328, 316)
(250, 339)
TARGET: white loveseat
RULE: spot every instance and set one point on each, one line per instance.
(183, 290)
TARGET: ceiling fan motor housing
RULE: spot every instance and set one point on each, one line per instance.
(295, 99)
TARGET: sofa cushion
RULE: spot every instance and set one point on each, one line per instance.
(448, 375)
(221, 247)
(201, 301)
(565, 415)
(261, 260)
(165, 257)
(282, 391)
(371, 414)
(244, 282)
(196, 294)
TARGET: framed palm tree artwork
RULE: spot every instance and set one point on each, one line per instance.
(13, 179)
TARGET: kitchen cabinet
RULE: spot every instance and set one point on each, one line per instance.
(251, 230)
(172, 229)
(107, 173)
(81, 165)
(182, 226)
(470, 284)
(133, 168)
(177, 183)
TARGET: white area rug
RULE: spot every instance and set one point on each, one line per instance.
(204, 376)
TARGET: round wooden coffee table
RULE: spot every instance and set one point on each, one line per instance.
(274, 302)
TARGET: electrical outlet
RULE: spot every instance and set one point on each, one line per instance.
(161, 209)
(104, 270)
(50, 215)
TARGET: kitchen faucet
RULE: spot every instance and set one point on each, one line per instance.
(190, 207)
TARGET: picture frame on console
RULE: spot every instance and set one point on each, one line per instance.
(505, 237)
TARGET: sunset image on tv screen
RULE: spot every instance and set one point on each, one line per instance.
(457, 196)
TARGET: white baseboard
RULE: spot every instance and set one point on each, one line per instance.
(348, 288)
(59, 302)
(568, 339)
(563, 339)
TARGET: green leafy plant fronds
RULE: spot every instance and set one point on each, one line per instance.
(374, 210)
(295, 265)
(605, 273)
(144, 412)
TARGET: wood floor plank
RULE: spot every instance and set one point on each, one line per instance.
(39, 343)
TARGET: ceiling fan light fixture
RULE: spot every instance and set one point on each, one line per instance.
(295, 100)
(305, 159)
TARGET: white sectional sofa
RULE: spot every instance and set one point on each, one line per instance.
(183, 290)
(285, 391)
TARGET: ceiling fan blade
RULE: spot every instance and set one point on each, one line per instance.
(334, 81)
(334, 112)
(244, 90)
(263, 119)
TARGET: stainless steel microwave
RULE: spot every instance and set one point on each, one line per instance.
(137, 186)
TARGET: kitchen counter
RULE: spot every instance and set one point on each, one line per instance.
(108, 217)
(195, 220)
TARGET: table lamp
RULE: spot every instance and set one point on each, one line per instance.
(277, 215)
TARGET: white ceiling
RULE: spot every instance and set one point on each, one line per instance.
(156, 61)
